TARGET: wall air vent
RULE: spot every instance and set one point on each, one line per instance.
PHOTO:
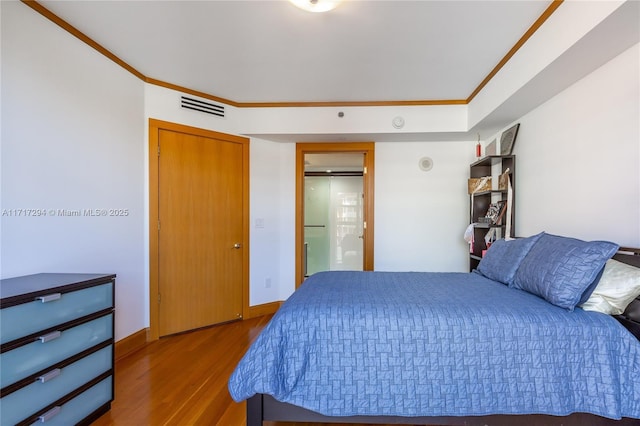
(202, 106)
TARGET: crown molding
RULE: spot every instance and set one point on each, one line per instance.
(33, 4)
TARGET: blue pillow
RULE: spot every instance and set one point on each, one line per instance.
(589, 291)
(501, 261)
(560, 269)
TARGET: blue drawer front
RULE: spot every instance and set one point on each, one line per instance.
(82, 405)
(22, 320)
(33, 357)
(30, 399)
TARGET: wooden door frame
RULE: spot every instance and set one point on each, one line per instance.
(154, 139)
(366, 148)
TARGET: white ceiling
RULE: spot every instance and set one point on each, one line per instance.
(270, 51)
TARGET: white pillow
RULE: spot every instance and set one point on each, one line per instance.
(619, 285)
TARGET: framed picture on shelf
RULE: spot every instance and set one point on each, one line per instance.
(508, 138)
(495, 212)
(491, 148)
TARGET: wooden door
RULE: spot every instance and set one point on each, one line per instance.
(201, 231)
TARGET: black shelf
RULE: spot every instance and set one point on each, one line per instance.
(490, 166)
(488, 225)
(489, 192)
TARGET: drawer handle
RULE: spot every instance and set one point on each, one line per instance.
(49, 297)
(49, 375)
(50, 414)
(51, 336)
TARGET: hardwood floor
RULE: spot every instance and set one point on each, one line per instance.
(181, 380)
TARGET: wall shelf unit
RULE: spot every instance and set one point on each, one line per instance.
(494, 166)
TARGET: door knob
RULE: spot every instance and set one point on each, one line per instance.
(237, 246)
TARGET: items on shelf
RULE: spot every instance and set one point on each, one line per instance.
(495, 212)
(503, 180)
(491, 236)
(468, 236)
(508, 138)
(480, 184)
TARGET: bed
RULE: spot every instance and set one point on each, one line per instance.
(454, 348)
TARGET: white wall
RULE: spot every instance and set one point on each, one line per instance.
(273, 205)
(420, 217)
(565, 29)
(578, 158)
(164, 104)
(72, 125)
(356, 120)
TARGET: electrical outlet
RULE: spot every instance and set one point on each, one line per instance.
(267, 283)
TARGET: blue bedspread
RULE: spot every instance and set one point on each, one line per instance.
(438, 344)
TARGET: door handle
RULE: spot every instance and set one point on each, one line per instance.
(237, 246)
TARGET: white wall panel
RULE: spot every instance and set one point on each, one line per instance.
(578, 158)
(272, 221)
(420, 217)
(72, 125)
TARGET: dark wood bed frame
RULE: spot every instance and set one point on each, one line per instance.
(263, 407)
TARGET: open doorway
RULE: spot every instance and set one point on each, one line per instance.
(333, 212)
(334, 207)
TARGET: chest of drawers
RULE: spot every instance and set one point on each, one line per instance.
(56, 348)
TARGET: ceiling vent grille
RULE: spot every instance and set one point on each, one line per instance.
(202, 106)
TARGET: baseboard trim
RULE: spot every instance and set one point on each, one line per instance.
(264, 309)
(140, 338)
(131, 343)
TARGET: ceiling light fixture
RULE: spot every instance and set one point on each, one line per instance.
(316, 5)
